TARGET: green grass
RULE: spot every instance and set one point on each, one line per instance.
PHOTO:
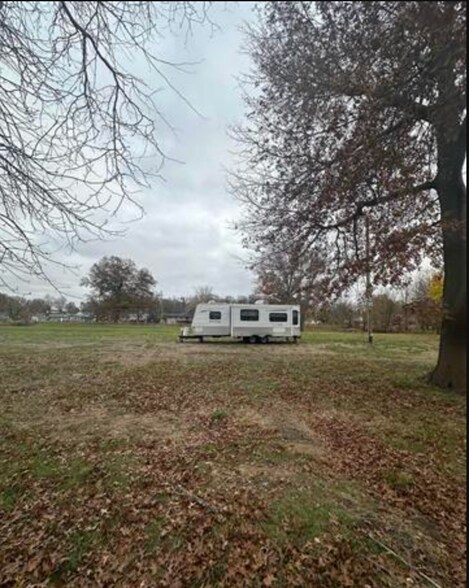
(80, 543)
(218, 415)
(9, 497)
(299, 517)
(153, 534)
(399, 479)
(83, 334)
(25, 463)
(77, 334)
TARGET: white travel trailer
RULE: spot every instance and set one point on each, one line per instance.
(253, 323)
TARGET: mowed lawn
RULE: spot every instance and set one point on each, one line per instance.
(129, 459)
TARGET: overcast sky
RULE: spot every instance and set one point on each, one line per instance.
(185, 238)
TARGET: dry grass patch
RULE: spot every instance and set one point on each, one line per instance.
(129, 459)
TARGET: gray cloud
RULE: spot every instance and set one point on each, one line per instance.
(184, 237)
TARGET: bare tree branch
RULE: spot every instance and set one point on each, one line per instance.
(76, 118)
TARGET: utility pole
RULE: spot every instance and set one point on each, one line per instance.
(406, 310)
(369, 294)
(161, 308)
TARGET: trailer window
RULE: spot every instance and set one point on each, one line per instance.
(249, 314)
(295, 317)
(214, 315)
(278, 317)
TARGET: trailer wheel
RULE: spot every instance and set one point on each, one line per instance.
(266, 339)
(245, 339)
(253, 339)
(201, 339)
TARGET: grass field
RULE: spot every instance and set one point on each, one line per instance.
(128, 459)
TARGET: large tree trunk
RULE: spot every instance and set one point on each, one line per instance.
(450, 371)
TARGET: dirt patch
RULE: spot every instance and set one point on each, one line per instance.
(265, 473)
(109, 425)
(255, 418)
(307, 447)
(135, 354)
(295, 434)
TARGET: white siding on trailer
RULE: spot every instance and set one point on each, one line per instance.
(219, 320)
(264, 326)
(264, 316)
(212, 320)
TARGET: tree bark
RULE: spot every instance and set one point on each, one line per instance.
(450, 371)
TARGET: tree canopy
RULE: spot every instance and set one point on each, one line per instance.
(358, 109)
(119, 286)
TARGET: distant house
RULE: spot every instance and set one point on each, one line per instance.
(177, 318)
(81, 317)
(55, 316)
(134, 317)
(4, 317)
(39, 318)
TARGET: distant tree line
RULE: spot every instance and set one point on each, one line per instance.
(120, 291)
(22, 309)
(416, 308)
